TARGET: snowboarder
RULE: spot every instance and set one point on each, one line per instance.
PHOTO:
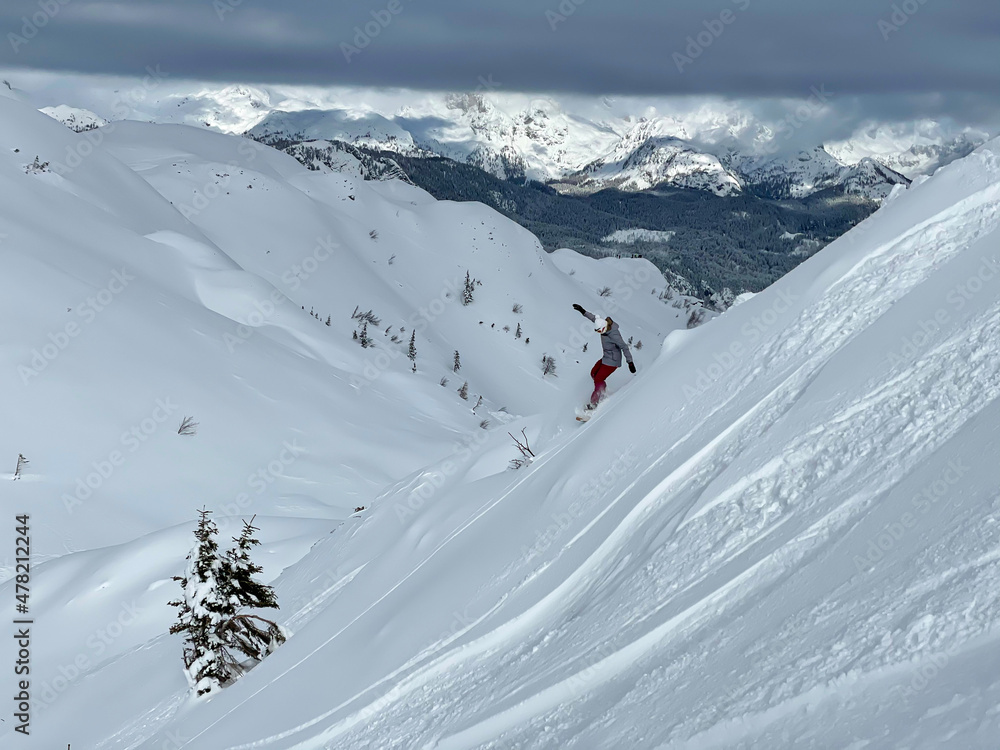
(613, 346)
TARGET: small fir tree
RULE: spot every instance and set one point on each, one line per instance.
(202, 610)
(412, 352)
(469, 289)
(254, 636)
(457, 365)
(464, 390)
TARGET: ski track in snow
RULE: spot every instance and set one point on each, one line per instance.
(712, 595)
(750, 513)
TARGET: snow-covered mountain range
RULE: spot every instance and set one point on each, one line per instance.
(781, 532)
(543, 143)
(717, 147)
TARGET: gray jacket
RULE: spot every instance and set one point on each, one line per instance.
(613, 344)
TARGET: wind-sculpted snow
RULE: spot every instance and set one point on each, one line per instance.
(780, 533)
(805, 536)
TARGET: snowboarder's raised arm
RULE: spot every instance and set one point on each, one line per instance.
(589, 315)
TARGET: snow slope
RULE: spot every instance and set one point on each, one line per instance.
(782, 533)
(695, 567)
(157, 272)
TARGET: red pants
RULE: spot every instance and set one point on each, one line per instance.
(600, 372)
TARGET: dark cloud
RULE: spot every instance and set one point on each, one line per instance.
(744, 48)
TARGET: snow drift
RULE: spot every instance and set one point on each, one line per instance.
(782, 533)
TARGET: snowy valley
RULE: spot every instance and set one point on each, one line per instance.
(782, 532)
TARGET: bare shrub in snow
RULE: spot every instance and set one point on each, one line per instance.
(21, 463)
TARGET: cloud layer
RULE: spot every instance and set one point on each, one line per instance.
(743, 48)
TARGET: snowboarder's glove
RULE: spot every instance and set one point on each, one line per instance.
(631, 367)
(579, 309)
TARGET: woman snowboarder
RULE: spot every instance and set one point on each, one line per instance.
(613, 346)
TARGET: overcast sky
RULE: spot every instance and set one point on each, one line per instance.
(892, 53)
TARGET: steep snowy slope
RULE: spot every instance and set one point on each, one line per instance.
(157, 272)
(135, 299)
(783, 535)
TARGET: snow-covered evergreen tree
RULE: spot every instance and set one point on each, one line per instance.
(517, 333)
(217, 589)
(457, 365)
(464, 390)
(202, 610)
(251, 634)
(468, 290)
(412, 353)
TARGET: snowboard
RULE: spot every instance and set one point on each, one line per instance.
(584, 415)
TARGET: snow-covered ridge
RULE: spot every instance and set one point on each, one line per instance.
(514, 136)
(781, 532)
(79, 120)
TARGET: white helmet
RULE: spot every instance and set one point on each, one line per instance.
(600, 324)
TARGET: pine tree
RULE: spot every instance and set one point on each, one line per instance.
(458, 362)
(365, 341)
(464, 390)
(202, 610)
(242, 590)
(412, 353)
(468, 290)
(548, 365)
(328, 320)
(517, 333)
